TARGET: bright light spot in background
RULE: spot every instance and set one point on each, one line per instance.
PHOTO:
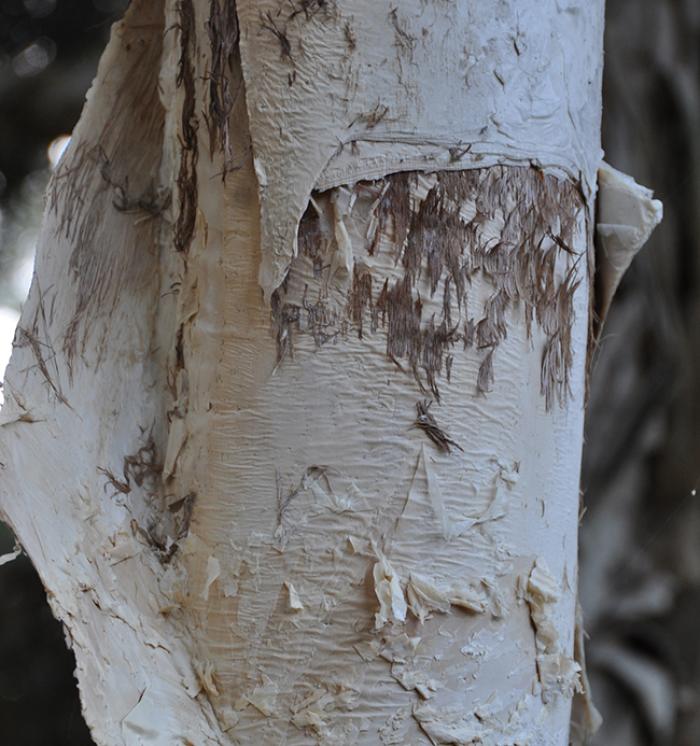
(34, 58)
(8, 321)
(22, 267)
(21, 280)
(23, 272)
(56, 149)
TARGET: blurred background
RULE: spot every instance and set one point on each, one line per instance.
(640, 540)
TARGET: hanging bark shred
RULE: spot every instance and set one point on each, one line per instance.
(189, 151)
(427, 423)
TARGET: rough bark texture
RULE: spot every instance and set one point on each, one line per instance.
(370, 552)
(343, 509)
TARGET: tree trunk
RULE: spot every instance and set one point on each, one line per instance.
(294, 418)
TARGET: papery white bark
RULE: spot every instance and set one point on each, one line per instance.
(343, 509)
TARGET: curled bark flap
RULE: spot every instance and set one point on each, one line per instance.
(627, 215)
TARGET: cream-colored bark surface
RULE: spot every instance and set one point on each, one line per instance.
(341, 91)
(292, 431)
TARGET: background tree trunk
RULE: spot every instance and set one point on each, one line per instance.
(639, 552)
(323, 509)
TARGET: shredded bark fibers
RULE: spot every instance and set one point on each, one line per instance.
(393, 207)
(165, 525)
(531, 266)
(43, 352)
(119, 485)
(143, 465)
(403, 41)
(350, 38)
(189, 151)
(315, 312)
(360, 296)
(373, 117)
(285, 317)
(69, 187)
(288, 26)
(183, 510)
(313, 316)
(222, 29)
(163, 546)
(311, 242)
(426, 422)
(93, 180)
(286, 496)
(153, 200)
(310, 8)
(140, 469)
(268, 23)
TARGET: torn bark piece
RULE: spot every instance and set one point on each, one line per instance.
(262, 698)
(451, 725)
(557, 673)
(293, 600)
(205, 672)
(213, 573)
(468, 598)
(387, 587)
(415, 679)
(626, 216)
(585, 718)
(425, 597)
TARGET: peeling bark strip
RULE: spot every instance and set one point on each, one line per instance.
(84, 491)
(436, 228)
(189, 149)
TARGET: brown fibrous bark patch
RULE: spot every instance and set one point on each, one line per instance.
(437, 241)
(160, 527)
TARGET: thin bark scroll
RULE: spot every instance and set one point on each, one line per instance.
(343, 509)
